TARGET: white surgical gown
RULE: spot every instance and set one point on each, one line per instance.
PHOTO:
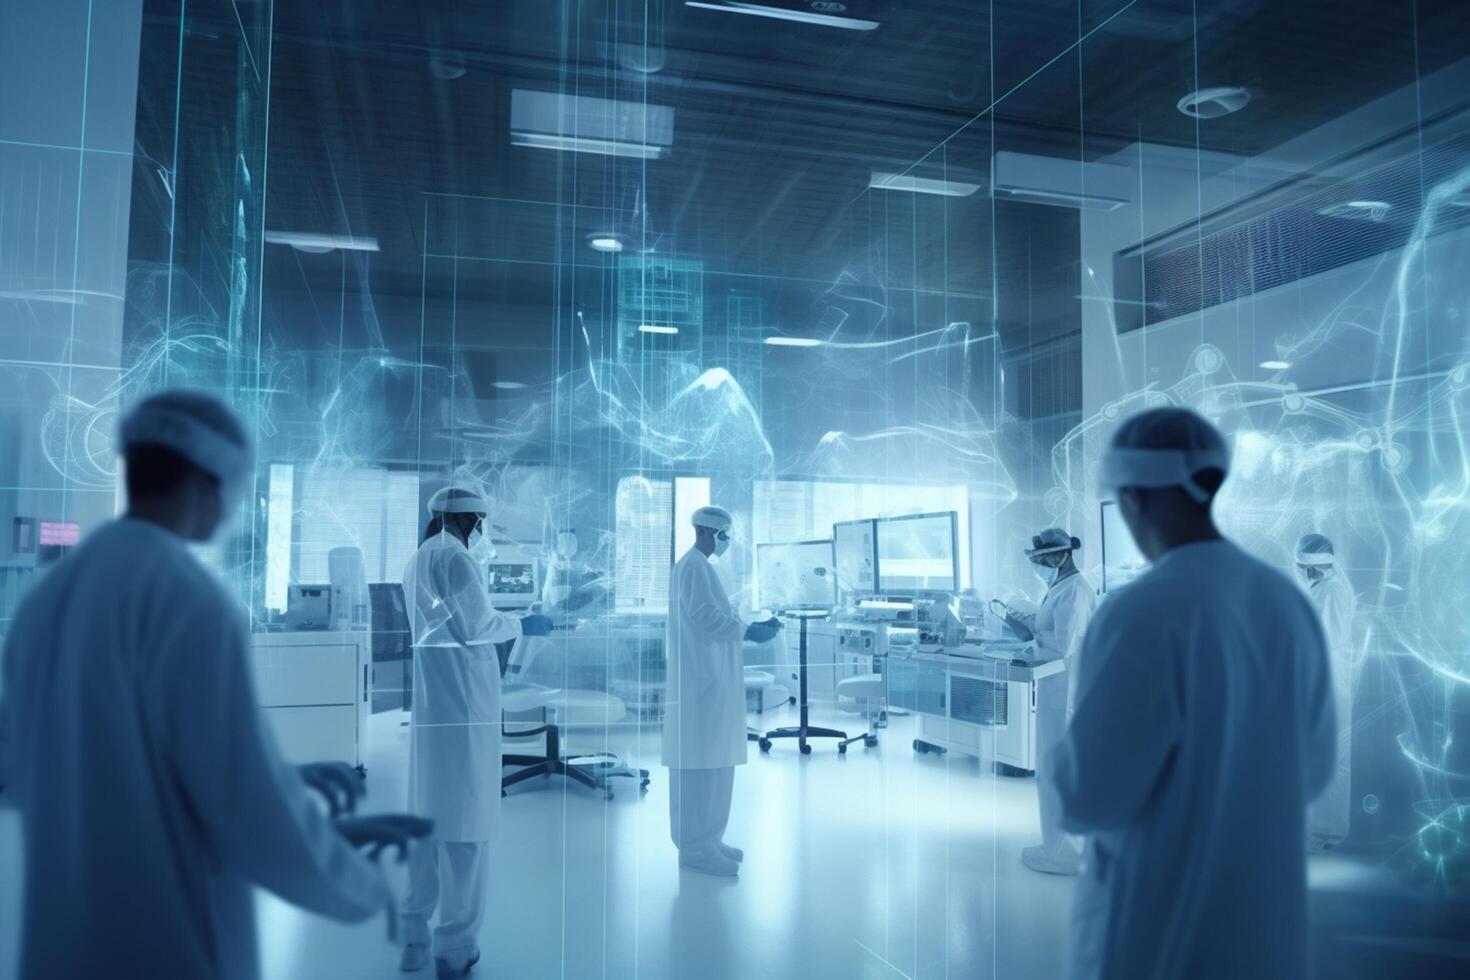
(1204, 724)
(1328, 816)
(704, 702)
(151, 793)
(454, 741)
(1059, 627)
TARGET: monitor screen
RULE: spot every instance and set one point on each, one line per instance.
(857, 557)
(917, 553)
(1122, 561)
(795, 575)
(512, 579)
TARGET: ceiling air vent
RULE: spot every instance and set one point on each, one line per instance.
(1061, 183)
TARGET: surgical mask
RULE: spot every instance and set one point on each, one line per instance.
(479, 546)
(722, 543)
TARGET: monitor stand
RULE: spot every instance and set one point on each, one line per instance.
(804, 730)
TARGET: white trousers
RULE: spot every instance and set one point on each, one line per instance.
(1329, 815)
(452, 876)
(1051, 725)
(699, 805)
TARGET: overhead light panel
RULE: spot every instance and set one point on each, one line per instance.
(605, 241)
(316, 244)
(783, 341)
(655, 328)
(920, 185)
(1060, 181)
(1275, 365)
(582, 124)
(822, 13)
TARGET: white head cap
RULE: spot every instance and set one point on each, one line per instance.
(1315, 549)
(1164, 447)
(458, 500)
(1051, 541)
(714, 518)
(197, 426)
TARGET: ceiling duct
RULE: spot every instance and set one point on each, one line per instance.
(1059, 182)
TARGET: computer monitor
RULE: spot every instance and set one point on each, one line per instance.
(1121, 560)
(795, 575)
(856, 547)
(512, 584)
(918, 553)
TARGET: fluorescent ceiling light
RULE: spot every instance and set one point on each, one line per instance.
(585, 124)
(784, 13)
(653, 328)
(779, 341)
(1275, 365)
(1357, 210)
(605, 241)
(921, 185)
(306, 241)
(582, 144)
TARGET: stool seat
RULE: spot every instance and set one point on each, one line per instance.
(594, 708)
(757, 679)
(862, 688)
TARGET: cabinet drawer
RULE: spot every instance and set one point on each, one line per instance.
(306, 675)
(315, 734)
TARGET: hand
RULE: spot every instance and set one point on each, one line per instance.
(760, 633)
(775, 623)
(337, 782)
(383, 831)
(536, 625)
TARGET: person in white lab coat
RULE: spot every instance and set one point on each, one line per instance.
(151, 793)
(455, 732)
(1058, 627)
(1204, 725)
(1332, 595)
(704, 702)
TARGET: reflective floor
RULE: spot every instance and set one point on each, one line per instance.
(839, 879)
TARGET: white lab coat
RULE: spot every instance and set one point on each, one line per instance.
(1059, 627)
(704, 702)
(151, 792)
(454, 741)
(1204, 724)
(1333, 597)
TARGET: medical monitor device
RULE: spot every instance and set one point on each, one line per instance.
(512, 584)
(308, 607)
(918, 553)
(1122, 562)
(856, 547)
(795, 576)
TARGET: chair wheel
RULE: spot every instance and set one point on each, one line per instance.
(765, 745)
(921, 747)
(806, 750)
(791, 700)
(842, 750)
(609, 795)
(870, 741)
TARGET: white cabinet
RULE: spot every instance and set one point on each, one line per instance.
(316, 691)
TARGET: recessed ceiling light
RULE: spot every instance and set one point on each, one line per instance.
(581, 144)
(1357, 210)
(813, 16)
(782, 341)
(1275, 365)
(920, 185)
(317, 244)
(446, 65)
(655, 328)
(1212, 103)
(605, 241)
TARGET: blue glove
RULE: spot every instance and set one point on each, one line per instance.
(536, 625)
(760, 633)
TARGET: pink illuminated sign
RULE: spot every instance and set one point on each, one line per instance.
(59, 532)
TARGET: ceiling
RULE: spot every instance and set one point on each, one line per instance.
(777, 127)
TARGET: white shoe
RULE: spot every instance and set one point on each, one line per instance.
(415, 957)
(733, 853)
(708, 860)
(1037, 858)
